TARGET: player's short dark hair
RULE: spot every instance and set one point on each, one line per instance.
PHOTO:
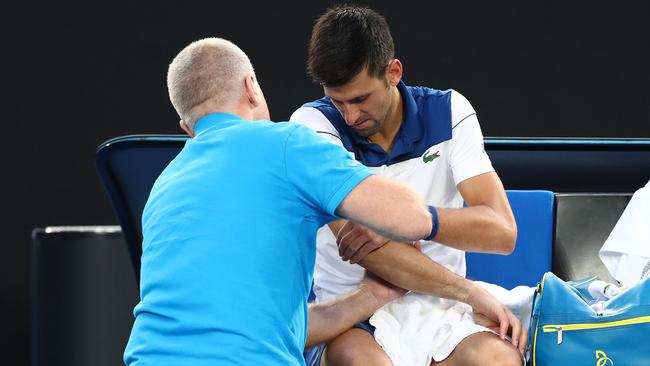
(345, 40)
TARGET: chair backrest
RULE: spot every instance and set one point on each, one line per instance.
(128, 167)
(534, 213)
(584, 221)
(571, 165)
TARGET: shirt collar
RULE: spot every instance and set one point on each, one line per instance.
(216, 120)
(411, 129)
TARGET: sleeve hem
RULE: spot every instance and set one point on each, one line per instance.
(473, 173)
(345, 189)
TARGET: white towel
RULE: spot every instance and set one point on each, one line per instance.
(627, 249)
(417, 328)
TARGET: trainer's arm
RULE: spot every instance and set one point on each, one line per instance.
(392, 209)
(328, 319)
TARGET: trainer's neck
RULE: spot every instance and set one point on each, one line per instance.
(237, 109)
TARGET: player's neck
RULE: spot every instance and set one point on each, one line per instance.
(385, 137)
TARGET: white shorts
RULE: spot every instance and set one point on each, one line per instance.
(417, 328)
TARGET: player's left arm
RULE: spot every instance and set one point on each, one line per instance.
(486, 225)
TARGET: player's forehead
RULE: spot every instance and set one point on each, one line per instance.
(360, 85)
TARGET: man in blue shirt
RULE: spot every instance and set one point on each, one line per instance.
(229, 227)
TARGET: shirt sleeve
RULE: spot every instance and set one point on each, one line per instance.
(468, 157)
(314, 119)
(323, 173)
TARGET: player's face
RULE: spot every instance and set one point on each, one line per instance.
(363, 102)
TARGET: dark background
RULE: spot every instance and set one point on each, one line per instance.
(76, 75)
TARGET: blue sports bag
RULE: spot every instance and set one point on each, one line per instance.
(569, 328)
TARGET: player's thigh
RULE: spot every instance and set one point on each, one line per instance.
(354, 347)
(483, 349)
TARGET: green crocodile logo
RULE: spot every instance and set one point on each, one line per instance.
(430, 157)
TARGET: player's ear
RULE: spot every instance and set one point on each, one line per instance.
(394, 72)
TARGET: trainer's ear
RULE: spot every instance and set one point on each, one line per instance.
(252, 90)
(186, 128)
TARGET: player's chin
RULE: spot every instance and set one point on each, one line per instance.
(366, 129)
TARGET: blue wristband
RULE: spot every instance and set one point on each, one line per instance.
(435, 224)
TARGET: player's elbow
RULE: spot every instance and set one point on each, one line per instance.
(508, 237)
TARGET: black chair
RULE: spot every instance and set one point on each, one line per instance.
(584, 222)
(128, 167)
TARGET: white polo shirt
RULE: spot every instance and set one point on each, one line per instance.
(439, 145)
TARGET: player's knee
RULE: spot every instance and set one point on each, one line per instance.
(512, 358)
(355, 347)
(373, 358)
(344, 356)
(503, 355)
(492, 351)
(352, 356)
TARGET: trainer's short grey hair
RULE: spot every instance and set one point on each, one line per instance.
(209, 69)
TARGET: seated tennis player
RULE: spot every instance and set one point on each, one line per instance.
(432, 140)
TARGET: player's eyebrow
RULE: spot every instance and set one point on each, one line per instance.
(358, 99)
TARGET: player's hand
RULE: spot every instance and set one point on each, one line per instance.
(490, 313)
(382, 291)
(356, 242)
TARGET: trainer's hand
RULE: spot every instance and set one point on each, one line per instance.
(490, 313)
(381, 290)
(356, 242)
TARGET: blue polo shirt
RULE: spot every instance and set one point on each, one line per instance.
(229, 244)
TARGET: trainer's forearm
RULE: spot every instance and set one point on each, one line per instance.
(406, 267)
(328, 319)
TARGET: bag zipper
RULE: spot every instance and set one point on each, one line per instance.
(539, 289)
(561, 328)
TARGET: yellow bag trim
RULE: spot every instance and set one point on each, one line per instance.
(581, 326)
